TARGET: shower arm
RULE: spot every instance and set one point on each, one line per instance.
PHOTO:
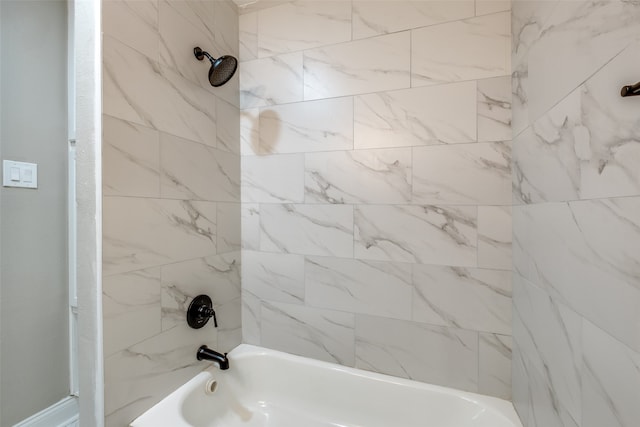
(200, 54)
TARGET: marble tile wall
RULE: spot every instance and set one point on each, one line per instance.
(171, 206)
(376, 186)
(576, 213)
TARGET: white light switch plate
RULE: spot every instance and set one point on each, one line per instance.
(19, 174)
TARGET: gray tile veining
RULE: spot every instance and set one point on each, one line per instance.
(307, 229)
(311, 332)
(419, 234)
(575, 214)
(378, 205)
(416, 117)
(315, 193)
(405, 349)
(171, 215)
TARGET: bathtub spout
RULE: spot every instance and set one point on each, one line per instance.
(205, 353)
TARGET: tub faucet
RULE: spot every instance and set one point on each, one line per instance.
(205, 353)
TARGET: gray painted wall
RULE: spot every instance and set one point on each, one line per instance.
(33, 223)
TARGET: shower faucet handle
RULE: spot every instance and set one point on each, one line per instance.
(208, 312)
(200, 311)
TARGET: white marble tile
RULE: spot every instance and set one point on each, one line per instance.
(494, 109)
(274, 277)
(140, 91)
(544, 408)
(560, 179)
(520, 385)
(494, 361)
(178, 37)
(142, 233)
(609, 166)
(130, 299)
(464, 298)
(303, 25)
(307, 229)
(216, 276)
(229, 221)
(134, 23)
(273, 179)
(251, 307)
(131, 159)
(194, 171)
(419, 234)
(611, 380)
(468, 174)
(226, 27)
(586, 142)
(127, 75)
(361, 176)
(589, 267)
(273, 80)
(199, 13)
(250, 226)
(230, 328)
(521, 258)
(227, 127)
(494, 237)
(550, 336)
(560, 59)
(308, 126)
(363, 66)
(432, 354)
(248, 37)
(250, 132)
(187, 111)
(368, 287)
(248, 6)
(527, 22)
(310, 332)
(415, 117)
(372, 18)
(140, 376)
(475, 48)
(486, 7)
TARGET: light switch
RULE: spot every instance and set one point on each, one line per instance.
(15, 173)
(19, 174)
(27, 176)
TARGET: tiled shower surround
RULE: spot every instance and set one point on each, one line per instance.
(576, 213)
(368, 161)
(376, 186)
(171, 211)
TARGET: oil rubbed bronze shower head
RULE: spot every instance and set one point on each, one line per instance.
(222, 69)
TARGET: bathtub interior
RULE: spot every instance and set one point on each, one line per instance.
(267, 389)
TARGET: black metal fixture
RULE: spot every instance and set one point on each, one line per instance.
(222, 69)
(631, 90)
(200, 311)
(205, 353)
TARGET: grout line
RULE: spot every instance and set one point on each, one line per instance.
(323, 45)
(391, 90)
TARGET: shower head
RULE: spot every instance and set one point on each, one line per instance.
(222, 69)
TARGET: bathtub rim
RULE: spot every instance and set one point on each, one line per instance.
(247, 351)
(505, 407)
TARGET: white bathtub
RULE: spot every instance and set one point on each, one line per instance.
(266, 388)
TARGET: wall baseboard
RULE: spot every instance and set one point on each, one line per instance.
(61, 414)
